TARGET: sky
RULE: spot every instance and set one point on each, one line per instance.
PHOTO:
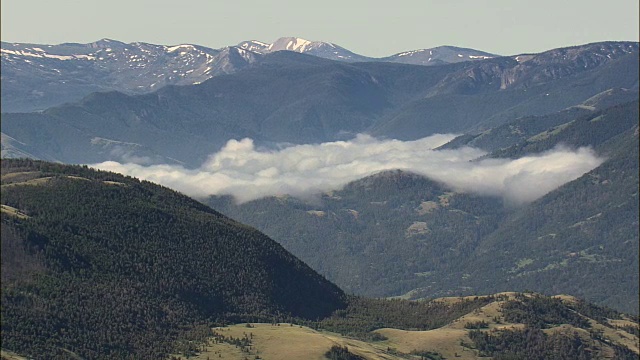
(370, 28)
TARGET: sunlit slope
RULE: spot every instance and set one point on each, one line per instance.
(562, 326)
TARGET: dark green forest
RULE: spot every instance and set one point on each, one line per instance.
(118, 268)
(386, 234)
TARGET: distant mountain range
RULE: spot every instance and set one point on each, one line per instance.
(38, 76)
(35, 77)
(287, 97)
(434, 56)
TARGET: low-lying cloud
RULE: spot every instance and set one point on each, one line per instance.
(241, 170)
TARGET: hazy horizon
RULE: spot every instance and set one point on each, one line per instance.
(500, 27)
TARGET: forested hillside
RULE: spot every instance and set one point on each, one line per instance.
(105, 266)
(398, 233)
(383, 235)
(581, 239)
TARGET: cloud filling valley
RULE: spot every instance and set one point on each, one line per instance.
(242, 170)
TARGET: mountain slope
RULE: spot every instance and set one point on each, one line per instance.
(396, 233)
(294, 98)
(111, 266)
(596, 129)
(383, 235)
(290, 98)
(189, 123)
(581, 238)
(492, 92)
(520, 130)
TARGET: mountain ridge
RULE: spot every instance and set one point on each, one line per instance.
(56, 74)
(311, 100)
(39, 75)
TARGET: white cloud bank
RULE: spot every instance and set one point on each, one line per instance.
(239, 169)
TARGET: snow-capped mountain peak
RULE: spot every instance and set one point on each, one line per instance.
(322, 49)
(433, 56)
(186, 47)
(290, 44)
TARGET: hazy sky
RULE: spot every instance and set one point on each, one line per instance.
(373, 28)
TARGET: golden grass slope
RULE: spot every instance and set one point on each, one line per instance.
(448, 339)
(289, 341)
(11, 211)
(8, 355)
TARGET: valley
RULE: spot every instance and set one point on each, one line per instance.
(455, 242)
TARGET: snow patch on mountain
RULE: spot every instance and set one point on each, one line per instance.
(298, 44)
(130, 68)
(37, 54)
(183, 46)
(411, 52)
